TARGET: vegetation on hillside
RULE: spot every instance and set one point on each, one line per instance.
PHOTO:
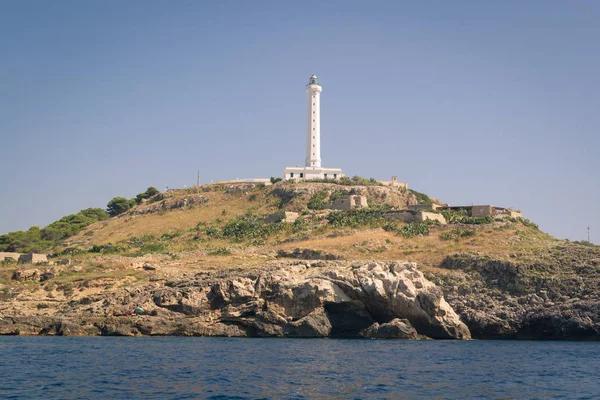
(422, 198)
(38, 240)
(119, 205)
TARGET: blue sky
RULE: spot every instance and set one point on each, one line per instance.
(471, 102)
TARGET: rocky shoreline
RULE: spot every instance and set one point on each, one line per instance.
(556, 297)
(282, 299)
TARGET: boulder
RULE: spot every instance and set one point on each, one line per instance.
(395, 329)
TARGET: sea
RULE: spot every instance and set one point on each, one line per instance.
(226, 368)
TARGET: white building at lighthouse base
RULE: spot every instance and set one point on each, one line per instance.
(308, 173)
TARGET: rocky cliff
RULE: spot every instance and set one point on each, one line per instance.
(554, 296)
(280, 299)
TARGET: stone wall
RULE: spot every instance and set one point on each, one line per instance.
(395, 183)
(424, 216)
(349, 202)
(282, 216)
(404, 216)
(482, 211)
(14, 256)
(32, 258)
(418, 207)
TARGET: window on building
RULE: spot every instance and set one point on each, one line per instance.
(313, 145)
(313, 120)
(313, 104)
(291, 174)
(325, 176)
(313, 129)
(313, 137)
(334, 176)
(301, 174)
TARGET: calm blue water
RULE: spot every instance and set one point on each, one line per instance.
(219, 368)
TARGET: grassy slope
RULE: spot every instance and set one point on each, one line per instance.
(186, 253)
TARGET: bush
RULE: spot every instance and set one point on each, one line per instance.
(453, 216)
(457, 234)
(356, 218)
(153, 248)
(318, 200)
(247, 226)
(108, 248)
(477, 220)
(219, 251)
(118, 205)
(413, 229)
(150, 192)
(528, 223)
(422, 198)
(337, 194)
(284, 196)
(390, 227)
(275, 180)
(38, 240)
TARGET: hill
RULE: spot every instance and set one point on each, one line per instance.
(502, 276)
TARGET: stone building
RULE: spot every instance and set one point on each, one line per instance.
(28, 258)
(395, 183)
(349, 202)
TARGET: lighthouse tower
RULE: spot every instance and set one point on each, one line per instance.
(313, 133)
(312, 165)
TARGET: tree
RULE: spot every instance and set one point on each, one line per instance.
(117, 205)
(150, 192)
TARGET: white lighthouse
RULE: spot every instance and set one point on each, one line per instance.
(312, 167)
(313, 133)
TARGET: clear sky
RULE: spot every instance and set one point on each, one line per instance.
(472, 102)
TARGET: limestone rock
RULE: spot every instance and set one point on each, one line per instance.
(282, 299)
(395, 329)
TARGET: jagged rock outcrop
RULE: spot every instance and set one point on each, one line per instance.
(282, 299)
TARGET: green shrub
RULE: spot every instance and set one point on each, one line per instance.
(8, 262)
(422, 198)
(108, 248)
(247, 226)
(150, 192)
(528, 223)
(390, 226)
(488, 219)
(170, 236)
(284, 196)
(118, 205)
(318, 201)
(153, 248)
(413, 229)
(453, 216)
(356, 218)
(457, 234)
(38, 240)
(336, 194)
(219, 251)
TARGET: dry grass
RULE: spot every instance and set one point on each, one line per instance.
(221, 205)
(428, 251)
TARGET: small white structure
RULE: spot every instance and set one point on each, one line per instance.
(312, 168)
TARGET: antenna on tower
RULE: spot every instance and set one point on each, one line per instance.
(588, 228)
(198, 179)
